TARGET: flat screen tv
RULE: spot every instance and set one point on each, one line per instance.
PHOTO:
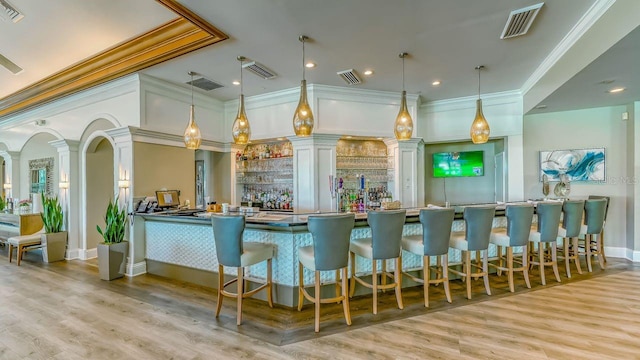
(458, 164)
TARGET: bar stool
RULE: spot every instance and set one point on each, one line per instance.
(233, 252)
(384, 243)
(569, 231)
(591, 231)
(606, 212)
(546, 233)
(329, 252)
(478, 223)
(434, 241)
(519, 218)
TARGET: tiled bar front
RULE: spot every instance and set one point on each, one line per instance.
(188, 243)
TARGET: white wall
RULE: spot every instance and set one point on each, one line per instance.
(580, 129)
(37, 148)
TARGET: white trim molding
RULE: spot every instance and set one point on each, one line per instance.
(136, 269)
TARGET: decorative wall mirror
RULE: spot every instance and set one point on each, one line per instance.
(41, 176)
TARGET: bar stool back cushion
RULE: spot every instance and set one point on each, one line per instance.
(331, 235)
(386, 232)
(594, 215)
(227, 231)
(548, 220)
(436, 230)
(519, 218)
(606, 210)
(572, 218)
(478, 222)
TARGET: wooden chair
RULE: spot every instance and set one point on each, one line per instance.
(233, 252)
(545, 236)
(573, 211)
(591, 231)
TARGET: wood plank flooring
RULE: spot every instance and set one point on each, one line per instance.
(63, 311)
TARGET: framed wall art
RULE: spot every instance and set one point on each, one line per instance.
(578, 165)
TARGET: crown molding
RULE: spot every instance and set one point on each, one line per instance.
(170, 40)
(497, 98)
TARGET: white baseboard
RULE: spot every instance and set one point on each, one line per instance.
(136, 269)
(616, 252)
(88, 254)
(72, 254)
(632, 255)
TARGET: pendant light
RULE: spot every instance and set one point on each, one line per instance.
(303, 117)
(403, 127)
(480, 127)
(192, 136)
(241, 130)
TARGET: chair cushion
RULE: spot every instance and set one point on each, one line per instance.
(306, 257)
(25, 240)
(499, 237)
(254, 253)
(459, 241)
(362, 247)
(534, 236)
(413, 244)
(562, 232)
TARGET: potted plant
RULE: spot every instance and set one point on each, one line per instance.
(54, 240)
(112, 253)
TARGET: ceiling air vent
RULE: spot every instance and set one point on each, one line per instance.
(350, 77)
(9, 12)
(520, 20)
(10, 65)
(260, 70)
(204, 84)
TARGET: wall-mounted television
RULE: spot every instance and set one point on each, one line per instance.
(458, 164)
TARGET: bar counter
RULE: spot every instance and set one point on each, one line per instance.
(182, 247)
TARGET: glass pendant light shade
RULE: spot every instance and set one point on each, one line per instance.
(303, 117)
(241, 131)
(192, 136)
(403, 127)
(480, 127)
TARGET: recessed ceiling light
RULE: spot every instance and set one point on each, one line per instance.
(379, 138)
(436, 83)
(236, 82)
(280, 139)
(541, 106)
(617, 90)
(606, 81)
(348, 136)
(310, 65)
(368, 72)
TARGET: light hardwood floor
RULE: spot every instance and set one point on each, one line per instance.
(62, 311)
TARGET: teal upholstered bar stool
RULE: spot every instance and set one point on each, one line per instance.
(384, 244)
(329, 252)
(572, 211)
(478, 223)
(591, 231)
(516, 234)
(233, 252)
(434, 241)
(545, 236)
(606, 212)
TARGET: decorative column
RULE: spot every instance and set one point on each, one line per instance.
(69, 192)
(12, 172)
(236, 190)
(314, 159)
(408, 161)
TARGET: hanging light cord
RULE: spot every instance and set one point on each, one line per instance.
(403, 71)
(479, 69)
(241, 81)
(303, 72)
(191, 73)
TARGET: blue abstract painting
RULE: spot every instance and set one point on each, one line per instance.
(578, 165)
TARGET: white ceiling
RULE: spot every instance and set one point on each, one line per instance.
(445, 40)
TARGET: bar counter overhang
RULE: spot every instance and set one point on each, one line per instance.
(183, 248)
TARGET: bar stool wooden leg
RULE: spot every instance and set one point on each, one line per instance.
(352, 287)
(316, 301)
(525, 265)
(220, 288)
(374, 284)
(500, 263)
(541, 262)
(398, 279)
(426, 263)
(510, 267)
(467, 272)
(445, 275)
(270, 284)
(485, 270)
(10, 252)
(554, 259)
(337, 286)
(439, 269)
(300, 285)
(240, 293)
(604, 258)
(478, 265)
(600, 248)
(576, 257)
(567, 255)
(345, 303)
(587, 250)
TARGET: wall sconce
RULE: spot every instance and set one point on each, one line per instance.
(123, 184)
(63, 185)
(7, 186)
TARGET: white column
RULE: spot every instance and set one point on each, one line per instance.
(314, 159)
(407, 169)
(12, 172)
(236, 189)
(68, 184)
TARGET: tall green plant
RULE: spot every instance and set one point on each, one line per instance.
(2, 203)
(115, 223)
(52, 216)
